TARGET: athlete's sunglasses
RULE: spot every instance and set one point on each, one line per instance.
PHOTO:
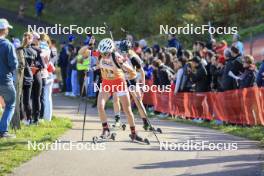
(105, 54)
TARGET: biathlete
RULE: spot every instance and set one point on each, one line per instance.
(135, 63)
(113, 82)
(134, 60)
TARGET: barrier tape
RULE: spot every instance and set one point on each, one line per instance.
(242, 106)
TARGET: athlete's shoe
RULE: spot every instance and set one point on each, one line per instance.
(136, 138)
(105, 134)
(117, 121)
(146, 126)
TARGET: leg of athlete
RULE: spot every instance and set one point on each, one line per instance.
(117, 109)
(126, 105)
(101, 101)
(136, 95)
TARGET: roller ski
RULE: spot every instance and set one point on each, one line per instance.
(105, 136)
(148, 127)
(118, 124)
(138, 139)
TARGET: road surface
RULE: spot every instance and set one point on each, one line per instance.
(125, 158)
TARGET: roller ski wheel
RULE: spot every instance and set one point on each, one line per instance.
(159, 130)
(116, 125)
(151, 128)
(119, 126)
(104, 137)
(138, 139)
(156, 130)
(124, 127)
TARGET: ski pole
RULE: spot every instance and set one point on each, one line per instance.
(84, 119)
(83, 87)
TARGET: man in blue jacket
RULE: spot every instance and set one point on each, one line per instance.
(8, 66)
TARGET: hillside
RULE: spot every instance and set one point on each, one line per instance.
(142, 18)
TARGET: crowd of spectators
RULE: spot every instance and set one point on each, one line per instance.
(27, 69)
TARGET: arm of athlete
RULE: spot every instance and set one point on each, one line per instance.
(142, 74)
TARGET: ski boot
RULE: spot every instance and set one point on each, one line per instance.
(118, 124)
(149, 127)
(138, 139)
(106, 135)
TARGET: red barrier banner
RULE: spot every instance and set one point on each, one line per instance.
(242, 106)
(149, 97)
(163, 102)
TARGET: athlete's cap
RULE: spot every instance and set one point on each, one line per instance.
(4, 24)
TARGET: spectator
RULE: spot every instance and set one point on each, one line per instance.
(164, 73)
(156, 49)
(45, 57)
(19, 87)
(169, 60)
(238, 44)
(143, 44)
(173, 42)
(161, 56)
(71, 51)
(228, 82)
(210, 55)
(220, 48)
(199, 76)
(148, 58)
(36, 66)
(185, 83)
(236, 67)
(137, 48)
(248, 78)
(179, 67)
(30, 56)
(8, 66)
(173, 52)
(47, 73)
(39, 6)
(92, 64)
(201, 49)
(216, 70)
(163, 78)
(54, 53)
(260, 76)
(63, 64)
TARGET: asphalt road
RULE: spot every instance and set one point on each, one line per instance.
(126, 158)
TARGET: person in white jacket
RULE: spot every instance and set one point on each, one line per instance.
(47, 73)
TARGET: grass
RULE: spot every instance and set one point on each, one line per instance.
(14, 152)
(252, 133)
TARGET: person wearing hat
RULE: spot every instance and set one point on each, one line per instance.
(8, 66)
